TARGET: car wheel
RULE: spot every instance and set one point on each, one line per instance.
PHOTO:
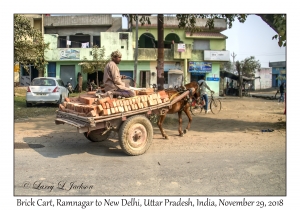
(28, 104)
(60, 100)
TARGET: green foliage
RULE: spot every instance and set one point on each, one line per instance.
(248, 66)
(29, 46)
(188, 22)
(98, 63)
(226, 66)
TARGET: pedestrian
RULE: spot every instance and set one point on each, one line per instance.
(113, 85)
(281, 89)
(203, 94)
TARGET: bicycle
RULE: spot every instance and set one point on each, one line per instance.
(197, 105)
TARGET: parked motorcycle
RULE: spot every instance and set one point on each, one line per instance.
(69, 86)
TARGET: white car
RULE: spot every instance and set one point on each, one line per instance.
(46, 90)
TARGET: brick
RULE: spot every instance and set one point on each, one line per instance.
(120, 103)
(107, 105)
(159, 101)
(108, 112)
(154, 96)
(145, 104)
(165, 100)
(129, 107)
(110, 102)
(105, 112)
(100, 109)
(112, 110)
(125, 108)
(91, 114)
(103, 104)
(62, 108)
(117, 109)
(140, 105)
(115, 103)
(67, 100)
(121, 109)
(136, 106)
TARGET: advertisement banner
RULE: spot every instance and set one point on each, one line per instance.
(202, 67)
(69, 54)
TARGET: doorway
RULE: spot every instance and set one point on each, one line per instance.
(67, 72)
(144, 79)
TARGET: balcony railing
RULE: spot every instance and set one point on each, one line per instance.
(78, 20)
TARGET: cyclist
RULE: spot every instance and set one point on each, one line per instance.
(203, 94)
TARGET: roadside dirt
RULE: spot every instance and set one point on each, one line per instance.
(237, 127)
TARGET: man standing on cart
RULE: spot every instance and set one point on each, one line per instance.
(113, 85)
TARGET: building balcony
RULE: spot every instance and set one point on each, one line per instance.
(78, 20)
(172, 22)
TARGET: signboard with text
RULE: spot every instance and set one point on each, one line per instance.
(203, 67)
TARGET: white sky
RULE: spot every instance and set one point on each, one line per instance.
(251, 38)
(254, 38)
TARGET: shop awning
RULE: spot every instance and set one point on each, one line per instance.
(234, 76)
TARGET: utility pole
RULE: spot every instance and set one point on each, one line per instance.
(136, 49)
(160, 46)
(233, 57)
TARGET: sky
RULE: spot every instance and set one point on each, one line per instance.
(254, 38)
(251, 38)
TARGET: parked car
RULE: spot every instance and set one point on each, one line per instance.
(46, 90)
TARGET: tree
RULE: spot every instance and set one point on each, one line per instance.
(29, 46)
(246, 67)
(226, 66)
(98, 63)
(188, 22)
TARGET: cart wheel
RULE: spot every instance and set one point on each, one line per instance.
(135, 135)
(96, 135)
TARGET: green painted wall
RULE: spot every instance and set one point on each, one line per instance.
(217, 44)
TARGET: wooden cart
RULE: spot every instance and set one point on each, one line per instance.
(134, 128)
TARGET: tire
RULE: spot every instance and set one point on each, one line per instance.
(96, 135)
(135, 135)
(194, 109)
(28, 104)
(215, 106)
(60, 100)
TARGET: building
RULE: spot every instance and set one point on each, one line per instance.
(71, 39)
(263, 79)
(278, 72)
(196, 54)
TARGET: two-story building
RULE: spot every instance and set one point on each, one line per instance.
(71, 39)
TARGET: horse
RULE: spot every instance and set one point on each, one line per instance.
(178, 107)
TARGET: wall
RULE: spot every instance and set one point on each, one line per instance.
(112, 42)
(265, 80)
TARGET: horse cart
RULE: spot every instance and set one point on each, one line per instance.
(134, 128)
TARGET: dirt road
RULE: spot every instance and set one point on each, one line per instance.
(224, 154)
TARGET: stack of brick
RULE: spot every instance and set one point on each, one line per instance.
(89, 105)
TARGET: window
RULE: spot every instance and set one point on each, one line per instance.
(166, 77)
(96, 41)
(62, 42)
(201, 44)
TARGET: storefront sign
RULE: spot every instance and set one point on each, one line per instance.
(210, 55)
(181, 48)
(215, 79)
(69, 54)
(202, 67)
